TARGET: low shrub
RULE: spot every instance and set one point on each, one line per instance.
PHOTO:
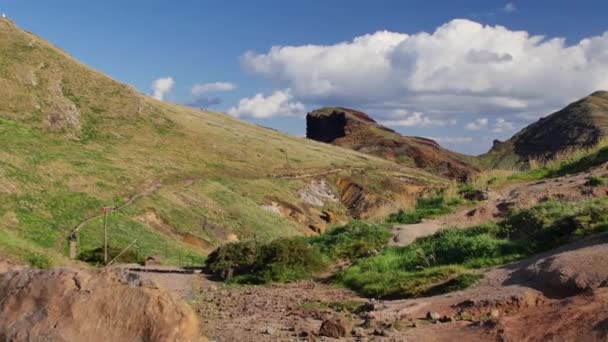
(595, 181)
(355, 240)
(233, 258)
(285, 260)
(281, 260)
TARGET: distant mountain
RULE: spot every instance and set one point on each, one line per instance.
(356, 130)
(580, 124)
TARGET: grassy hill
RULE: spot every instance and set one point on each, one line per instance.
(74, 140)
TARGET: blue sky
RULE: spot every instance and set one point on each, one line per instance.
(463, 72)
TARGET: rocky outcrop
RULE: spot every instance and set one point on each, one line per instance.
(580, 124)
(356, 130)
(80, 305)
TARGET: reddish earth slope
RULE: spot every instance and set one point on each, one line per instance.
(356, 130)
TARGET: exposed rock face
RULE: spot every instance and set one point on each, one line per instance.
(356, 130)
(580, 124)
(78, 305)
(356, 199)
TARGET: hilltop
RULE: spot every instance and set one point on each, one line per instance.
(356, 130)
(181, 180)
(581, 124)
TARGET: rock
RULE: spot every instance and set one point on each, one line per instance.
(329, 216)
(446, 319)
(476, 195)
(85, 305)
(494, 313)
(335, 327)
(268, 331)
(358, 332)
(153, 260)
(433, 316)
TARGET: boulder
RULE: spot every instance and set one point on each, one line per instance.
(335, 327)
(153, 260)
(83, 305)
(476, 195)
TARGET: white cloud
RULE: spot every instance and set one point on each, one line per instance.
(479, 123)
(161, 87)
(461, 67)
(453, 140)
(502, 125)
(279, 103)
(204, 88)
(509, 7)
(403, 118)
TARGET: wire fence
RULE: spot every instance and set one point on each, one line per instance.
(129, 244)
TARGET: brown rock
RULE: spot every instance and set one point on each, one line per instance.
(153, 260)
(81, 305)
(335, 327)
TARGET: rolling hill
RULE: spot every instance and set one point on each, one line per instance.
(180, 180)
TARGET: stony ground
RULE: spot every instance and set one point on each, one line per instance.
(563, 292)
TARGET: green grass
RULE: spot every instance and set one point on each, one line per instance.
(426, 207)
(446, 260)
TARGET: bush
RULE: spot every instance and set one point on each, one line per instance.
(595, 181)
(355, 240)
(281, 260)
(287, 259)
(233, 258)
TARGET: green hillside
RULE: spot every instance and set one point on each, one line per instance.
(74, 141)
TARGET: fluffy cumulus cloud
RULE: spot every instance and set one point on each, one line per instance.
(161, 87)
(279, 103)
(205, 88)
(461, 67)
(479, 123)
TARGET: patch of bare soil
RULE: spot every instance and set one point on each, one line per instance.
(83, 305)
